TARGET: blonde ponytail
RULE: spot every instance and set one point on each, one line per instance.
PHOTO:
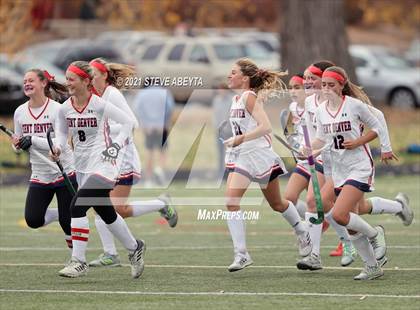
(261, 79)
(117, 73)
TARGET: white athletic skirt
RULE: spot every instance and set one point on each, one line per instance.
(260, 165)
(130, 168)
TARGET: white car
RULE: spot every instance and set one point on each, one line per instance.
(386, 77)
(209, 58)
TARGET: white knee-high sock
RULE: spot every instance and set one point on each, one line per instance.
(79, 237)
(382, 205)
(148, 206)
(358, 224)
(51, 215)
(237, 231)
(121, 231)
(339, 229)
(301, 208)
(315, 231)
(107, 238)
(293, 218)
(364, 248)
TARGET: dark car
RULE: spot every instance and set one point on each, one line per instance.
(86, 50)
(11, 91)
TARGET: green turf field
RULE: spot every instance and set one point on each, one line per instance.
(186, 266)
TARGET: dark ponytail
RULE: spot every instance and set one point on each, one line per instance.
(53, 89)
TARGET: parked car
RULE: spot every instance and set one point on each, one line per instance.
(209, 58)
(86, 50)
(11, 90)
(126, 42)
(413, 52)
(386, 77)
(47, 51)
(22, 64)
(61, 53)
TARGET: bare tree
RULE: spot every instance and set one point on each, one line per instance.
(313, 30)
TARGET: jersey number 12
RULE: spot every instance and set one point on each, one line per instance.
(338, 142)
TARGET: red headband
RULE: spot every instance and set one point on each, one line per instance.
(336, 76)
(78, 71)
(101, 67)
(297, 79)
(315, 70)
(48, 76)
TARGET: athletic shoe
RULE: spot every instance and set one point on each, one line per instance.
(382, 261)
(310, 262)
(240, 262)
(370, 273)
(74, 269)
(406, 215)
(349, 254)
(106, 260)
(167, 212)
(304, 244)
(378, 243)
(137, 259)
(338, 250)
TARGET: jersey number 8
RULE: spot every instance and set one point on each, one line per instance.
(82, 136)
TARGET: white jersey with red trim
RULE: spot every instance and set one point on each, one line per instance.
(91, 134)
(241, 122)
(311, 104)
(301, 116)
(347, 124)
(35, 122)
(130, 165)
(114, 96)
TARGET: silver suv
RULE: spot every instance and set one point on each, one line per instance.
(209, 58)
(386, 77)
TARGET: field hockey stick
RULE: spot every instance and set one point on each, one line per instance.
(284, 123)
(286, 144)
(224, 131)
(67, 181)
(315, 183)
(10, 133)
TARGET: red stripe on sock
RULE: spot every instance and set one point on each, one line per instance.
(80, 230)
(79, 238)
(69, 243)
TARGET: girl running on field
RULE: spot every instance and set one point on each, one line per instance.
(105, 82)
(83, 117)
(31, 121)
(251, 157)
(340, 120)
(312, 85)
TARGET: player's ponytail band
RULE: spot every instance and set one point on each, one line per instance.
(336, 76)
(297, 79)
(315, 70)
(48, 76)
(78, 71)
(99, 66)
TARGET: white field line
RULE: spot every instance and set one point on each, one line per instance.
(221, 293)
(208, 232)
(175, 248)
(203, 266)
